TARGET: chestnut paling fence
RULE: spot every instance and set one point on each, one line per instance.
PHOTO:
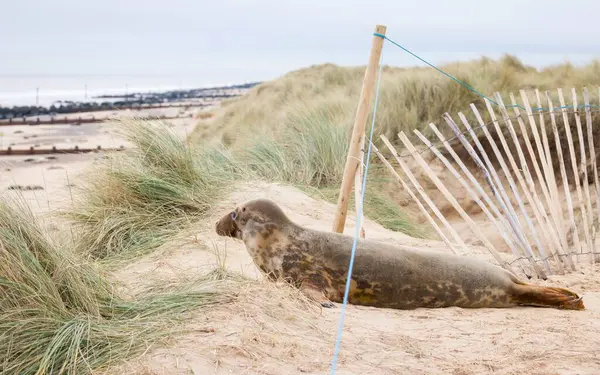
(531, 170)
(532, 173)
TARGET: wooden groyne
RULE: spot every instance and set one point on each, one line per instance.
(187, 98)
(5, 114)
(78, 121)
(54, 150)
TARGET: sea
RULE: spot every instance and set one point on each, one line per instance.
(48, 90)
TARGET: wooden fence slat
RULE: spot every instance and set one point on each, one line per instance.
(540, 111)
(545, 179)
(525, 135)
(552, 184)
(588, 121)
(516, 170)
(497, 221)
(453, 202)
(575, 169)
(416, 199)
(524, 177)
(465, 170)
(498, 191)
(506, 205)
(489, 172)
(511, 212)
(423, 194)
(552, 223)
(563, 172)
(462, 181)
(583, 170)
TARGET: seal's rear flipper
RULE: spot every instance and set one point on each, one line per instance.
(535, 295)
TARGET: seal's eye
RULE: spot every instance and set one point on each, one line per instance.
(233, 215)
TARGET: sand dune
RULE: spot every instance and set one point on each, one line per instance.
(272, 330)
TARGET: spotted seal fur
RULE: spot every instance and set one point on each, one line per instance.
(384, 275)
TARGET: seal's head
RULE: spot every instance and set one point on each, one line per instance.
(259, 215)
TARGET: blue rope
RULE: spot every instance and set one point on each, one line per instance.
(471, 88)
(357, 229)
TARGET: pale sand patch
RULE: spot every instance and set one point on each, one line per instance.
(22, 137)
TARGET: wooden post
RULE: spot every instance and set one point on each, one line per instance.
(358, 131)
(358, 180)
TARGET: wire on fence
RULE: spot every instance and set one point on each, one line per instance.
(551, 256)
(474, 128)
(466, 85)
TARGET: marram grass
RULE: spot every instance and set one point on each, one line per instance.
(409, 98)
(312, 151)
(135, 201)
(311, 155)
(59, 315)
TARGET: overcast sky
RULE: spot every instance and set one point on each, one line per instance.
(225, 41)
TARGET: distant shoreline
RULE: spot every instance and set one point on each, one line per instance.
(198, 96)
(198, 91)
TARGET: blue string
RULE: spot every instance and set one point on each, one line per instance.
(471, 88)
(356, 234)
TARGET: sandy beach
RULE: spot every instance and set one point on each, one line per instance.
(44, 179)
(272, 330)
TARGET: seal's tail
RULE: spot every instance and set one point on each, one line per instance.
(543, 296)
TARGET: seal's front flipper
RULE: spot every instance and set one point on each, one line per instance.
(315, 294)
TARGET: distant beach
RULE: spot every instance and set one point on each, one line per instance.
(60, 103)
(45, 91)
(67, 121)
